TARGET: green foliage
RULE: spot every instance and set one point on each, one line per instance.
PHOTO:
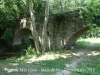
(11, 11)
(92, 33)
(7, 20)
(8, 36)
(24, 45)
(30, 51)
(92, 9)
(39, 7)
(59, 6)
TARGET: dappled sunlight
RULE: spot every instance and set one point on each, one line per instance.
(78, 53)
(90, 47)
(67, 65)
(93, 53)
(21, 58)
(90, 53)
(67, 54)
(49, 56)
(91, 40)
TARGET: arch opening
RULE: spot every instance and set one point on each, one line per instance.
(76, 35)
(91, 33)
(21, 34)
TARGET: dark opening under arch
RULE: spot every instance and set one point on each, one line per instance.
(21, 34)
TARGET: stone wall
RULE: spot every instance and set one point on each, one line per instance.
(61, 31)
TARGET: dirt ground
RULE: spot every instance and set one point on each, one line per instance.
(79, 56)
(12, 67)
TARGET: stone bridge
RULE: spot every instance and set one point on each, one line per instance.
(63, 29)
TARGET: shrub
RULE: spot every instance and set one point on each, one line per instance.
(30, 51)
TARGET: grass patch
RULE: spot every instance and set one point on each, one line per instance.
(53, 61)
(89, 66)
(81, 43)
(52, 66)
(46, 64)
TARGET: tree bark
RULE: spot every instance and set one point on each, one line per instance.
(44, 32)
(34, 32)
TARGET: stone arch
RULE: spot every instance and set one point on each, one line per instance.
(76, 35)
(21, 34)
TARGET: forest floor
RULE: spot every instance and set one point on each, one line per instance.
(83, 60)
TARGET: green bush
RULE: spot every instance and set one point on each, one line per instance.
(30, 51)
(8, 36)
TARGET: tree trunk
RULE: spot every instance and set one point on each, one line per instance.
(44, 32)
(34, 33)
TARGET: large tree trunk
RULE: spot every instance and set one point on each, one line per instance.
(34, 33)
(44, 32)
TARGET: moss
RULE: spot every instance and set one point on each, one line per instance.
(60, 16)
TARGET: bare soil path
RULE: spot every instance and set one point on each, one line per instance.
(79, 56)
